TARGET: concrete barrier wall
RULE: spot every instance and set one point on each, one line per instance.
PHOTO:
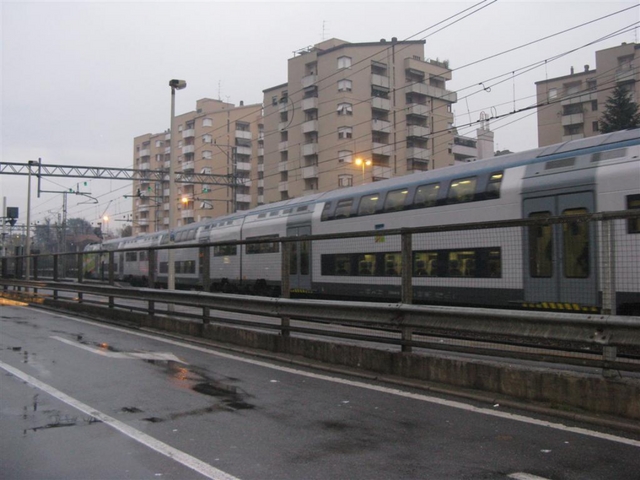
(591, 393)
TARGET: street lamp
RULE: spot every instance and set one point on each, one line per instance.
(105, 218)
(27, 241)
(360, 161)
(171, 276)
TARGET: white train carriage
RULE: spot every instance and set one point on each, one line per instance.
(225, 260)
(186, 259)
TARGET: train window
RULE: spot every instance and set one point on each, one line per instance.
(274, 214)
(225, 250)
(304, 208)
(426, 195)
(191, 234)
(392, 264)
(339, 264)
(395, 200)
(366, 264)
(561, 163)
(304, 257)
(462, 190)
(262, 215)
(494, 264)
(493, 186)
(325, 212)
(540, 248)
(462, 264)
(131, 257)
(633, 203)
(143, 256)
(287, 211)
(425, 264)
(609, 155)
(258, 248)
(343, 209)
(164, 267)
(576, 245)
(368, 205)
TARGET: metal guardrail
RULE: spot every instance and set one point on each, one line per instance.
(605, 334)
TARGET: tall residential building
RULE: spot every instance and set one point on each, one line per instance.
(571, 106)
(380, 102)
(217, 138)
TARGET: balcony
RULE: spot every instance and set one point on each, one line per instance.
(283, 167)
(417, 131)
(261, 167)
(283, 125)
(165, 221)
(167, 150)
(167, 137)
(434, 92)
(165, 193)
(243, 166)
(245, 182)
(625, 74)
(187, 213)
(242, 150)
(282, 107)
(464, 151)
(243, 198)
(145, 166)
(243, 134)
(282, 146)
(143, 221)
(261, 183)
(310, 103)
(310, 172)
(380, 80)
(418, 109)
(283, 186)
(418, 153)
(144, 208)
(260, 199)
(165, 207)
(381, 149)
(573, 99)
(380, 103)
(145, 152)
(309, 81)
(190, 165)
(380, 126)
(167, 164)
(432, 67)
(575, 136)
(188, 133)
(188, 149)
(310, 126)
(379, 172)
(417, 166)
(573, 119)
(261, 152)
(310, 149)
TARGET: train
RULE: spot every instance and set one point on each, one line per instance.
(557, 267)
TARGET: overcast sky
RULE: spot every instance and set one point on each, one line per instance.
(81, 79)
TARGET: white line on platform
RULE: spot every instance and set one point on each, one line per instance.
(377, 388)
(525, 476)
(130, 355)
(151, 442)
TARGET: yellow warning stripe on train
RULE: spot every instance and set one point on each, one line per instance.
(567, 307)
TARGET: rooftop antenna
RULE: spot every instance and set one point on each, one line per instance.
(324, 29)
(220, 90)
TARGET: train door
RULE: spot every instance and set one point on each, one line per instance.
(560, 265)
(300, 267)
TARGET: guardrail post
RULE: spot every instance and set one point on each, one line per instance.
(285, 285)
(35, 273)
(205, 258)
(407, 268)
(608, 269)
(56, 273)
(112, 276)
(151, 268)
(80, 273)
(407, 336)
(609, 354)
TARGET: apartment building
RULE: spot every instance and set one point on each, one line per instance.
(217, 138)
(571, 106)
(353, 113)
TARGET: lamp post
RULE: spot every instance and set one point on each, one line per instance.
(360, 161)
(171, 275)
(27, 243)
(105, 218)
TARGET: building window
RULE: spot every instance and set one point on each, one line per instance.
(274, 100)
(633, 203)
(345, 85)
(345, 132)
(592, 84)
(344, 62)
(207, 122)
(206, 154)
(596, 127)
(345, 156)
(553, 93)
(594, 105)
(158, 143)
(345, 109)
(345, 181)
(206, 138)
